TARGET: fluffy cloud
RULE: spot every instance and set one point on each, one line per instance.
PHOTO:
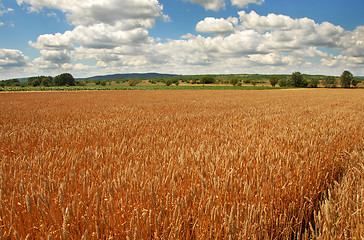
(96, 36)
(264, 23)
(99, 25)
(277, 42)
(112, 36)
(244, 3)
(56, 41)
(56, 57)
(217, 26)
(12, 58)
(53, 59)
(343, 62)
(352, 43)
(214, 5)
(89, 12)
(287, 34)
(106, 36)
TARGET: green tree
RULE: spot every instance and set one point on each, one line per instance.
(246, 80)
(207, 79)
(314, 83)
(355, 82)
(80, 83)
(64, 79)
(297, 80)
(46, 81)
(282, 83)
(132, 82)
(36, 82)
(40, 81)
(168, 82)
(273, 80)
(103, 83)
(329, 82)
(346, 79)
(234, 81)
(12, 82)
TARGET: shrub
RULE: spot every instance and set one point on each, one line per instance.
(103, 83)
(314, 83)
(168, 82)
(207, 79)
(273, 80)
(36, 83)
(80, 83)
(355, 82)
(329, 82)
(283, 83)
(46, 81)
(132, 82)
(234, 81)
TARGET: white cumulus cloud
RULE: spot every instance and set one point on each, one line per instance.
(89, 12)
(245, 3)
(352, 43)
(12, 58)
(54, 41)
(214, 5)
(217, 26)
(113, 36)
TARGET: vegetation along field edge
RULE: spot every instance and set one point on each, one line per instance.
(66, 82)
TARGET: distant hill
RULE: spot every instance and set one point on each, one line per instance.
(127, 75)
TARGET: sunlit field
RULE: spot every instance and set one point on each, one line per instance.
(269, 164)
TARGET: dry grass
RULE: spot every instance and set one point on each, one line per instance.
(182, 165)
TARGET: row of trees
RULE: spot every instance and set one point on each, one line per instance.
(64, 79)
(296, 80)
(10, 83)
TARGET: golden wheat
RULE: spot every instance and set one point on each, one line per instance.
(182, 165)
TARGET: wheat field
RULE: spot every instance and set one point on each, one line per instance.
(272, 164)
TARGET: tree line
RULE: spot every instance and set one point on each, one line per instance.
(296, 79)
(64, 79)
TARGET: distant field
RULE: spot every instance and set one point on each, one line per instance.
(182, 164)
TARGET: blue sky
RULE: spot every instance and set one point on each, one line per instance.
(91, 37)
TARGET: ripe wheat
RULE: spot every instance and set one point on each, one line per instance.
(182, 165)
